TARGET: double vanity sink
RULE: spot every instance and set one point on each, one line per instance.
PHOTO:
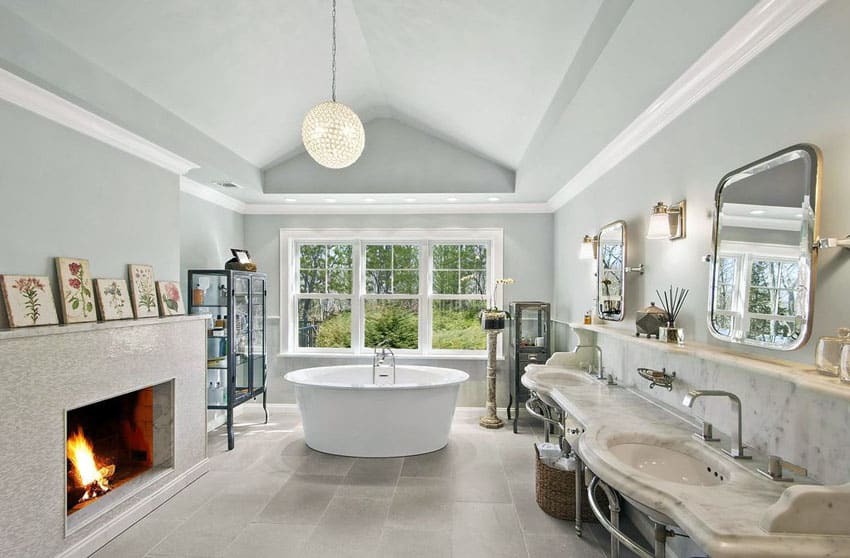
(647, 453)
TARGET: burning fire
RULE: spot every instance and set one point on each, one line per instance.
(93, 479)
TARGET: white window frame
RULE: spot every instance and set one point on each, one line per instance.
(290, 239)
(746, 253)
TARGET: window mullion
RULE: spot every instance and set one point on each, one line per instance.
(357, 296)
(425, 310)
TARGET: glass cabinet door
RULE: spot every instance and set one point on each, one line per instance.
(258, 333)
(239, 327)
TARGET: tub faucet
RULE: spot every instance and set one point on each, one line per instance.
(600, 374)
(379, 358)
(737, 446)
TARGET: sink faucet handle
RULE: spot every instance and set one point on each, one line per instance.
(707, 432)
(775, 465)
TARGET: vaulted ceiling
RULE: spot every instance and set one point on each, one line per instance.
(479, 73)
(481, 100)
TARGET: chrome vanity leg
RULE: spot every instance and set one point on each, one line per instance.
(547, 411)
(579, 492)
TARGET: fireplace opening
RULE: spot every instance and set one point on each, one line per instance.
(108, 444)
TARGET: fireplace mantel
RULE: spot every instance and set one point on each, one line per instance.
(46, 371)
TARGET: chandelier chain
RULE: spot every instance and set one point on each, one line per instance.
(333, 53)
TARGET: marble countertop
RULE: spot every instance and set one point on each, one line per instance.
(801, 374)
(724, 520)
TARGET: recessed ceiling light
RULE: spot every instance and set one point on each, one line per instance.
(758, 212)
(290, 200)
(330, 200)
(493, 199)
(369, 200)
(409, 200)
(451, 199)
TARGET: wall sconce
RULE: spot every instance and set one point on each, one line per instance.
(589, 247)
(667, 221)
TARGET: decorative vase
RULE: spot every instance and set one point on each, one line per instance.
(493, 319)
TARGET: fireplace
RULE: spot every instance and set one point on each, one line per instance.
(114, 447)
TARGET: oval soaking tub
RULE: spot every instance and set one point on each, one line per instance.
(344, 413)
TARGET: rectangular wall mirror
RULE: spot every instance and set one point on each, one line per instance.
(763, 264)
(611, 272)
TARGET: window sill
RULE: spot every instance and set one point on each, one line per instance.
(398, 357)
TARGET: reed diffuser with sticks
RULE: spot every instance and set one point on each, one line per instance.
(671, 302)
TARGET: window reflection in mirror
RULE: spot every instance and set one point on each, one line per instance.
(610, 291)
(763, 265)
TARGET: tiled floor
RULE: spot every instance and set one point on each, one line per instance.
(273, 496)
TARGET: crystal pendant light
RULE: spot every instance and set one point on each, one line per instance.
(332, 133)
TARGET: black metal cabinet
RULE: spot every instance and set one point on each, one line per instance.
(530, 344)
(237, 362)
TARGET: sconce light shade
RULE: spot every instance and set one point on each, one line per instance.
(667, 221)
(588, 248)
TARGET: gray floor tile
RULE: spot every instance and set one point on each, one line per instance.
(323, 464)
(371, 478)
(532, 519)
(136, 541)
(274, 496)
(270, 540)
(422, 504)
(434, 464)
(302, 500)
(410, 543)
(546, 546)
(484, 483)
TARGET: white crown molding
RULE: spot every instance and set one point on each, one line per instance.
(395, 209)
(206, 193)
(766, 22)
(31, 97)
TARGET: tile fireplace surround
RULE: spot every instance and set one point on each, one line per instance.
(46, 371)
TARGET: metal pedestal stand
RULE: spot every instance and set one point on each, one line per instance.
(491, 420)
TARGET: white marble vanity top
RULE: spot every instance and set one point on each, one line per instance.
(724, 519)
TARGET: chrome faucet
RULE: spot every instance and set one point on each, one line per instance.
(379, 358)
(600, 373)
(737, 446)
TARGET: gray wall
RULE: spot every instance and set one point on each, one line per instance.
(794, 92)
(39, 58)
(397, 158)
(527, 258)
(64, 194)
(207, 233)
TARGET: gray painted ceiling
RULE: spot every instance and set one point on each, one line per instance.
(480, 73)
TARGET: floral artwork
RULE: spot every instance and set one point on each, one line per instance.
(170, 298)
(29, 300)
(113, 299)
(75, 286)
(143, 291)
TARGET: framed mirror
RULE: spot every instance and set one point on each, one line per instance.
(763, 265)
(611, 272)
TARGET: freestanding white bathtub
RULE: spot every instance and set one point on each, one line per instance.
(344, 413)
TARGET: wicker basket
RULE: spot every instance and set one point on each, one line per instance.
(556, 492)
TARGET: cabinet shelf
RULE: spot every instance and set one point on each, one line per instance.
(240, 376)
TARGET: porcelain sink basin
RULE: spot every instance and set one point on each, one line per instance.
(563, 378)
(668, 464)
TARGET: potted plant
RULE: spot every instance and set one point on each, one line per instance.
(492, 317)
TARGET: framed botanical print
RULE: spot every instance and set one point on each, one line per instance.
(170, 298)
(143, 291)
(29, 300)
(75, 289)
(113, 299)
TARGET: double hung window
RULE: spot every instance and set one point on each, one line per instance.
(419, 290)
